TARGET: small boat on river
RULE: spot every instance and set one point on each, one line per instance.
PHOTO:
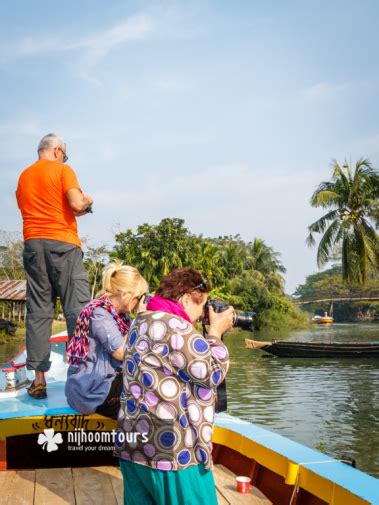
(286, 349)
(49, 434)
(325, 319)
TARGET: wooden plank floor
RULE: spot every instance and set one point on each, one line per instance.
(227, 493)
(62, 486)
(97, 486)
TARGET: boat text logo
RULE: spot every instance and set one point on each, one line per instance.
(81, 440)
(50, 440)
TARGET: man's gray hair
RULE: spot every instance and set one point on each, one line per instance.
(49, 141)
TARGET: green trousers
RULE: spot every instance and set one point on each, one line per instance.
(144, 485)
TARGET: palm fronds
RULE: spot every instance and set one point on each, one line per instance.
(353, 200)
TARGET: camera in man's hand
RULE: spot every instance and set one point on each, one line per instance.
(244, 320)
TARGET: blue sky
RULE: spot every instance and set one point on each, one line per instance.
(226, 114)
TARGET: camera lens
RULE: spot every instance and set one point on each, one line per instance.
(244, 320)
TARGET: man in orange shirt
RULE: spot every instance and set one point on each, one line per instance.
(50, 199)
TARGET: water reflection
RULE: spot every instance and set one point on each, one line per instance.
(314, 401)
(9, 350)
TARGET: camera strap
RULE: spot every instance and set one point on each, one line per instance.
(221, 403)
(221, 398)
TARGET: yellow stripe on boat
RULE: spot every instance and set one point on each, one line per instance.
(311, 470)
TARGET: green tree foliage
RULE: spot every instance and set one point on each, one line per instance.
(11, 249)
(329, 285)
(95, 258)
(155, 249)
(207, 257)
(352, 200)
(233, 255)
(245, 274)
(326, 284)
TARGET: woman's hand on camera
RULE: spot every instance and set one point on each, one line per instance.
(220, 322)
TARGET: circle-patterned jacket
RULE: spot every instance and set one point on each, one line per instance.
(170, 372)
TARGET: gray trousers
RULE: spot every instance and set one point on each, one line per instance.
(53, 269)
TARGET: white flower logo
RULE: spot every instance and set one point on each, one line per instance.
(49, 441)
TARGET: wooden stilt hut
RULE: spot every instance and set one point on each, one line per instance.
(13, 300)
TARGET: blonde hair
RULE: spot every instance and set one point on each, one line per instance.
(119, 277)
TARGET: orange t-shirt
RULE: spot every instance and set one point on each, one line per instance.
(44, 207)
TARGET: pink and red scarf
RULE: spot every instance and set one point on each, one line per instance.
(156, 303)
(77, 349)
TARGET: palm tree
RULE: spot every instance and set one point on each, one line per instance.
(353, 203)
(264, 260)
(207, 258)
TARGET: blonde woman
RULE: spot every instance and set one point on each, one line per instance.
(95, 352)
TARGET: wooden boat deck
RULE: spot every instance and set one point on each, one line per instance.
(96, 486)
(226, 490)
(62, 486)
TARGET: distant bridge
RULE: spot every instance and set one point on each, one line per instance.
(330, 299)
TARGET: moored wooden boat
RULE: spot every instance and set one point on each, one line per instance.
(287, 349)
(282, 471)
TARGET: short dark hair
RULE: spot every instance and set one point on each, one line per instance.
(181, 281)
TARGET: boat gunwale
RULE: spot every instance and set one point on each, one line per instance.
(345, 477)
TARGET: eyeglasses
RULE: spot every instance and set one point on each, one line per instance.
(65, 157)
(203, 286)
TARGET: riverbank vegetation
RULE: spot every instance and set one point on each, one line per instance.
(248, 275)
(11, 248)
(329, 285)
(19, 336)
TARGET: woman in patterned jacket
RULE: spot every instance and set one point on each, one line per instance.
(170, 374)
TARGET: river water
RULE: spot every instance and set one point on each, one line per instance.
(329, 404)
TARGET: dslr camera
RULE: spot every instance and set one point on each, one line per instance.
(244, 320)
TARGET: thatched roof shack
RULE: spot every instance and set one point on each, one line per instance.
(13, 300)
